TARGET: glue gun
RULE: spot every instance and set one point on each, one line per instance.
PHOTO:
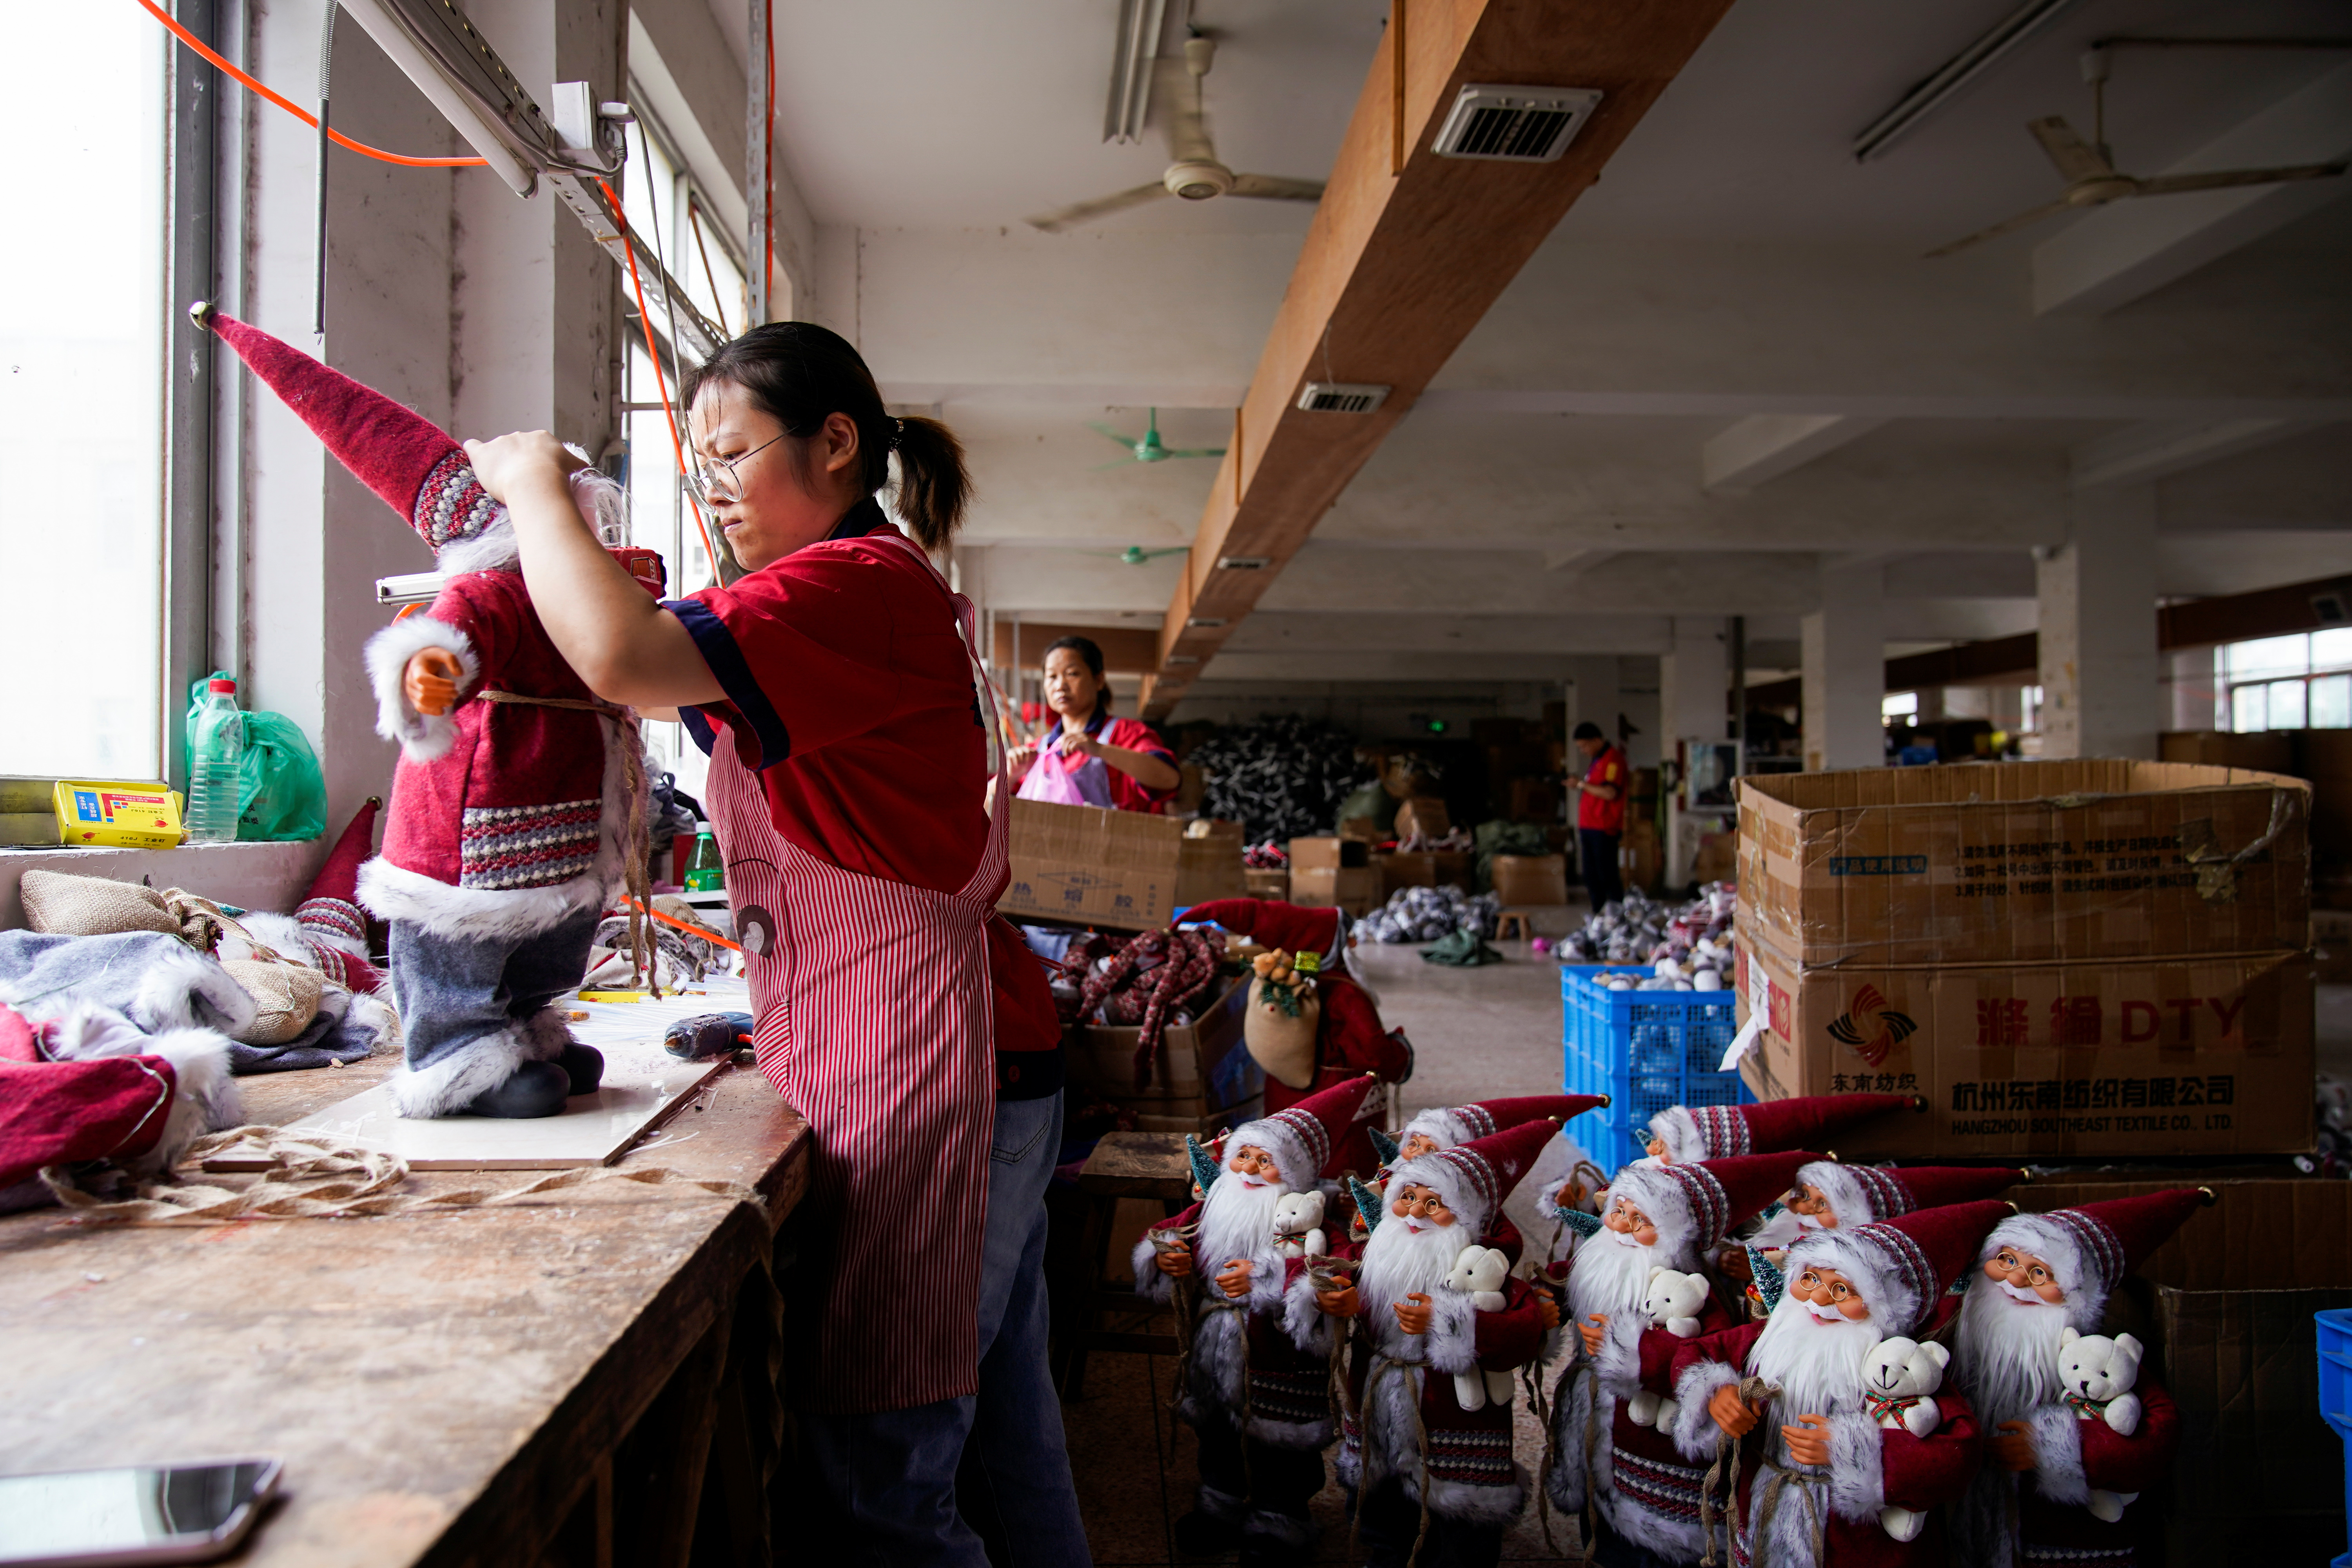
(707, 1034)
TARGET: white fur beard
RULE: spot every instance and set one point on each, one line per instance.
(1818, 1365)
(1236, 1221)
(1399, 1261)
(1612, 1277)
(2007, 1354)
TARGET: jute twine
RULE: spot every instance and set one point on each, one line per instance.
(309, 1177)
(1724, 1471)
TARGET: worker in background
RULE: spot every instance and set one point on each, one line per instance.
(1091, 758)
(1599, 813)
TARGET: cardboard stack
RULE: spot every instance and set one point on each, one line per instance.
(1334, 873)
(1204, 1078)
(1209, 862)
(2088, 958)
(1091, 865)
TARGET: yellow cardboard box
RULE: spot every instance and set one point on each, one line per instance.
(118, 815)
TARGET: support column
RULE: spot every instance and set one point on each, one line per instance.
(1592, 692)
(1691, 683)
(2100, 692)
(1845, 671)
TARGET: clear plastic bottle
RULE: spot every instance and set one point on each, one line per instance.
(705, 872)
(215, 747)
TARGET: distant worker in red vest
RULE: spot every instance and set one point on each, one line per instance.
(1601, 813)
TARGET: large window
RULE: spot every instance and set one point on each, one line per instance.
(2299, 682)
(81, 397)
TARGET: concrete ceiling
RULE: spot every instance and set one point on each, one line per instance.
(1554, 494)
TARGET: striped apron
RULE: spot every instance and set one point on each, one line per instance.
(875, 1022)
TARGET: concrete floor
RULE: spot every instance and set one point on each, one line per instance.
(1477, 1033)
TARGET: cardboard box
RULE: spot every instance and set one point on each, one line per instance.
(1202, 1061)
(1534, 800)
(1328, 854)
(1273, 883)
(2024, 862)
(117, 816)
(1208, 863)
(2272, 752)
(1202, 1123)
(1453, 868)
(2154, 1058)
(1355, 888)
(1088, 865)
(1424, 815)
(1414, 869)
(1717, 859)
(1522, 879)
(2265, 1232)
(1641, 862)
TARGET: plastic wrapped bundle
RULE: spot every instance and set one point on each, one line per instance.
(1429, 914)
(1281, 777)
(1687, 947)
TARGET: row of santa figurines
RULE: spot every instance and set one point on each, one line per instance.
(1739, 1348)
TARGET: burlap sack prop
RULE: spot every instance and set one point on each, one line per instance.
(1278, 1026)
(60, 905)
(285, 998)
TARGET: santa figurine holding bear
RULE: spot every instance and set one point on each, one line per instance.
(1847, 1441)
(2074, 1431)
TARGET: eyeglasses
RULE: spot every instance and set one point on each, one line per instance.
(715, 481)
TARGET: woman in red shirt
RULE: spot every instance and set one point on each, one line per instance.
(1092, 759)
(836, 688)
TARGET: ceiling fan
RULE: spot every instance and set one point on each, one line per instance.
(2092, 180)
(1193, 172)
(1149, 449)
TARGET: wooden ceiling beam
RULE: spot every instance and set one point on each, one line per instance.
(1406, 253)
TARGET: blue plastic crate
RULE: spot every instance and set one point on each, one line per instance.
(2336, 1392)
(1645, 1050)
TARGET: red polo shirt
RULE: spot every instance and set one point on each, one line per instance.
(1591, 811)
(850, 693)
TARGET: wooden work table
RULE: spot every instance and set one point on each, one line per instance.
(539, 1383)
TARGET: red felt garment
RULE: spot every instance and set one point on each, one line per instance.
(1661, 1352)
(61, 1113)
(1513, 1337)
(2115, 1463)
(1349, 1043)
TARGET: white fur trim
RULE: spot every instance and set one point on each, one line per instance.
(423, 738)
(1149, 1283)
(1804, 1508)
(1847, 1199)
(1303, 1318)
(282, 934)
(396, 893)
(1292, 1157)
(1619, 1360)
(495, 549)
(1439, 1122)
(207, 1101)
(1470, 1502)
(1215, 1391)
(1894, 1305)
(1564, 1481)
(454, 1080)
(2086, 1302)
(1857, 1471)
(374, 1014)
(1451, 1345)
(1679, 1128)
(1695, 1433)
(2056, 1433)
(89, 1029)
(1661, 1196)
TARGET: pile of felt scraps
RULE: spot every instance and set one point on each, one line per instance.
(679, 956)
(1269, 856)
(1687, 948)
(1281, 777)
(1144, 982)
(1500, 837)
(1460, 949)
(1428, 914)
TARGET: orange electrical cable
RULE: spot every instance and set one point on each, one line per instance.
(701, 931)
(296, 110)
(653, 352)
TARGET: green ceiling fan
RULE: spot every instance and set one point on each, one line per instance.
(1151, 450)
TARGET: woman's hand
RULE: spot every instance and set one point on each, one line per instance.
(1081, 744)
(1731, 1412)
(1020, 760)
(1413, 1313)
(430, 681)
(1808, 1444)
(1591, 1332)
(508, 464)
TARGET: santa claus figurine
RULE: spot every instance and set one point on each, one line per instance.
(1446, 1126)
(1350, 1041)
(2058, 1458)
(1256, 1381)
(1428, 1333)
(517, 803)
(1825, 1456)
(1808, 1121)
(1829, 1192)
(1643, 1494)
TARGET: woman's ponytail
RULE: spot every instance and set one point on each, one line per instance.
(934, 486)
(800, 373)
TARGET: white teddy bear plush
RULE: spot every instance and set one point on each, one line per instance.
(1479, 1273)
(1298, 1225)
(1900, 1377)
(2097, 1373)
(1673, 1300)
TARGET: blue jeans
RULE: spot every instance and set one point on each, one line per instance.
(892, 1473)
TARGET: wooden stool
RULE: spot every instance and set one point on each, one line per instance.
(1123, 1165)
(1514, 925)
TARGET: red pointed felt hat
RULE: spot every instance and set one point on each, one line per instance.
(1316, 1128)
(413, 465)
(1477, 1176)
(1908, 1263)
(1717, 1193)
(1485, 1118)
(1270, 923)
(330, 911)
(1807, 1121)
(2116, 1235)
(1883, 1191)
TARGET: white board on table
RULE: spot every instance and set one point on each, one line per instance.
(644, 1087)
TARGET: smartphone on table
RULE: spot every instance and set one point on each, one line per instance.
(133, 1514)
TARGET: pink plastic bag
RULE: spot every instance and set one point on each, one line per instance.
(1048, 781)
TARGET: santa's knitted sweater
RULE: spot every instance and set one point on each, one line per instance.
(507, 818)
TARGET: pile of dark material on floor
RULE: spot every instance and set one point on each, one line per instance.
(1281, 777)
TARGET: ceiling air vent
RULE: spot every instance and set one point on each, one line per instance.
(1205, 623)
(1341, 396)
(1186, 658)
(1514, 124)
(1244, 563)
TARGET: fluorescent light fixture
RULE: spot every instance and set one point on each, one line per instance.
(1132, 56)
(1244, 563)
(1955, 74)
(1204, 623)
(409, 588)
